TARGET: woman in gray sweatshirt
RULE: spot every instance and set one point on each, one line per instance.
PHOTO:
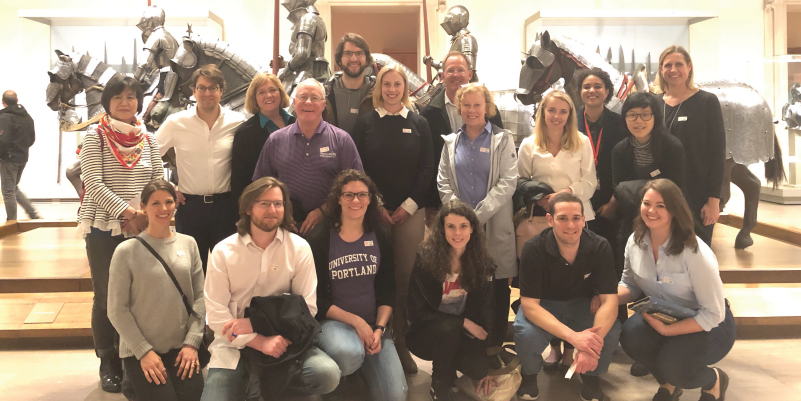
(158, 338)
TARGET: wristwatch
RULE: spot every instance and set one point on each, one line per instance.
(378, 326)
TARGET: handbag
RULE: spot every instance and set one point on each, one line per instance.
(528, 228)
(509, 377)
(203, 354)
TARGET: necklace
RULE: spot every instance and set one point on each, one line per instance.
(664, 112)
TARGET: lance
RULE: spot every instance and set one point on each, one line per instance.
(428, 45)
(275, 38)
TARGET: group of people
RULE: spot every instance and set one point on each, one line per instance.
(331, 204)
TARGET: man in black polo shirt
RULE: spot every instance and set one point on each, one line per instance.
(561, 269)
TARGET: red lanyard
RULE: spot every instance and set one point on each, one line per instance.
(595, 148)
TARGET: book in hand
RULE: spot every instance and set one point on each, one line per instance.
(665, 311)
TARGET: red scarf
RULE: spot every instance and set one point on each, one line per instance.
(116, 140)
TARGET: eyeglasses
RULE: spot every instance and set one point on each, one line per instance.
(642, 116)
(349, 54)
(348, 196)
(304, 98)
(211, 89)
(456, 70)
(265, 204)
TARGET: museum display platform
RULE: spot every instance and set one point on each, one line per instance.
(43, 265)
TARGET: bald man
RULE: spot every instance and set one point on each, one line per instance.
(16, 136)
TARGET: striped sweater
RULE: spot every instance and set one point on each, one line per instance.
(109, 185)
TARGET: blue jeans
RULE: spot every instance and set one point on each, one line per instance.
(10, 174)
(383, 371)
(320, 375)
(681, 360)
(530, 340)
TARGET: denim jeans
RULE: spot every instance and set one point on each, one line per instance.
(100, 246)
(681, 360)
(383, 371)
(530, 340)
(10, 174)
(320, 375)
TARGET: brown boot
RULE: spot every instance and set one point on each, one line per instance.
(408, 363)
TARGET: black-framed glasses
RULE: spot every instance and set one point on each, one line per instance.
(642, 116)
(264, 204)
(349, 196)
(349, 54)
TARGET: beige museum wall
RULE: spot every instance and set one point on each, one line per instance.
(730, 46)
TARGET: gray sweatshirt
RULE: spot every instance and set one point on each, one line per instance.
(143, 303)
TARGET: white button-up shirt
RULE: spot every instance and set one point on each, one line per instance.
(239, 270)
(203, 155)
(574, 170)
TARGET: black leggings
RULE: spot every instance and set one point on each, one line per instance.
(445, 342)
(100, 246)
(175, 389)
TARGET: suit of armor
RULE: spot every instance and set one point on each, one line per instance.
(160, 45)
(307, 44)
(455, 24)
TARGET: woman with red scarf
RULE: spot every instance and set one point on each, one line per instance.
(117, 160)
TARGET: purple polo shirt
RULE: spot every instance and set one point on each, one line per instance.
(307, 166)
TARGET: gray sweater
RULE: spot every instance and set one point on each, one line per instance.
(143, 303)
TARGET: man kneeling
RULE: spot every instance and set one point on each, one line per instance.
(561, 269)
(262, 259)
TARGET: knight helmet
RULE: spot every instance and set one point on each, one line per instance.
(292, 5)
(152, 18)
(455, 20)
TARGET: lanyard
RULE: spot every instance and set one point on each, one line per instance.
(597, 147)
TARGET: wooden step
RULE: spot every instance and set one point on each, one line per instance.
(767, 261)
(73, 320)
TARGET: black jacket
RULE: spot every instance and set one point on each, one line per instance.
(425, 295)
(614, 130)
(668, 159)
(528, 192)
(289, 316)
(320, 240)
(17, 134)
(440, 125)
(249, 140)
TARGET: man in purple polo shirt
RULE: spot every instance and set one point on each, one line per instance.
(308, 155)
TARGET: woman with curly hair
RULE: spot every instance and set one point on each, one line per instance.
(356, 286)
(450, 300)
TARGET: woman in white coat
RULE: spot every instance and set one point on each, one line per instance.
(479, 167)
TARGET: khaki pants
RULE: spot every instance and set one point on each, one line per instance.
(406, 240)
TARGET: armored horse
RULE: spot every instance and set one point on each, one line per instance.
(750, 135)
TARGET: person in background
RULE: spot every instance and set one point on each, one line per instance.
(202, 138)
(17, 134)
(158, 346)
(450, 301)
(350, 94)
(395, 147)
(117, 161)
(266, 99)
(479, 166)
(352, 252)
(665, 259)
(558, 155)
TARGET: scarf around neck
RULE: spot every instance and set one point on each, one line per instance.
(125, 140)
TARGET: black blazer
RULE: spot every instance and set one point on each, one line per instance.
(440, 125)
(668, 159)
(320, 240)
(614, 130)
(249, 139)
(425, 295)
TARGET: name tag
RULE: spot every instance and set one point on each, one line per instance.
(484, 150)
(325, 149)
(587, 275)
(667, 280)
(407, 130)
(274, 267)
(368, 243)
(145, 163)
(180, 253)
(354, 111)
(655, 173)
(683, 118)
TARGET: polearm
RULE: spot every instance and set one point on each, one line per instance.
(275, 39)
(428, 45)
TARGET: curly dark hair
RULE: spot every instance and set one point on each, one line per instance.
(602, 75)
(435, 252)
(372, 218)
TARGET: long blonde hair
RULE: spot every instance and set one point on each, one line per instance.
(571, 139)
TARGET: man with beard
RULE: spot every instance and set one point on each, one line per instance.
(308, 155)
(262, 259)
(202, 138)
(349, 94)
(561, 270)
(444, 118)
